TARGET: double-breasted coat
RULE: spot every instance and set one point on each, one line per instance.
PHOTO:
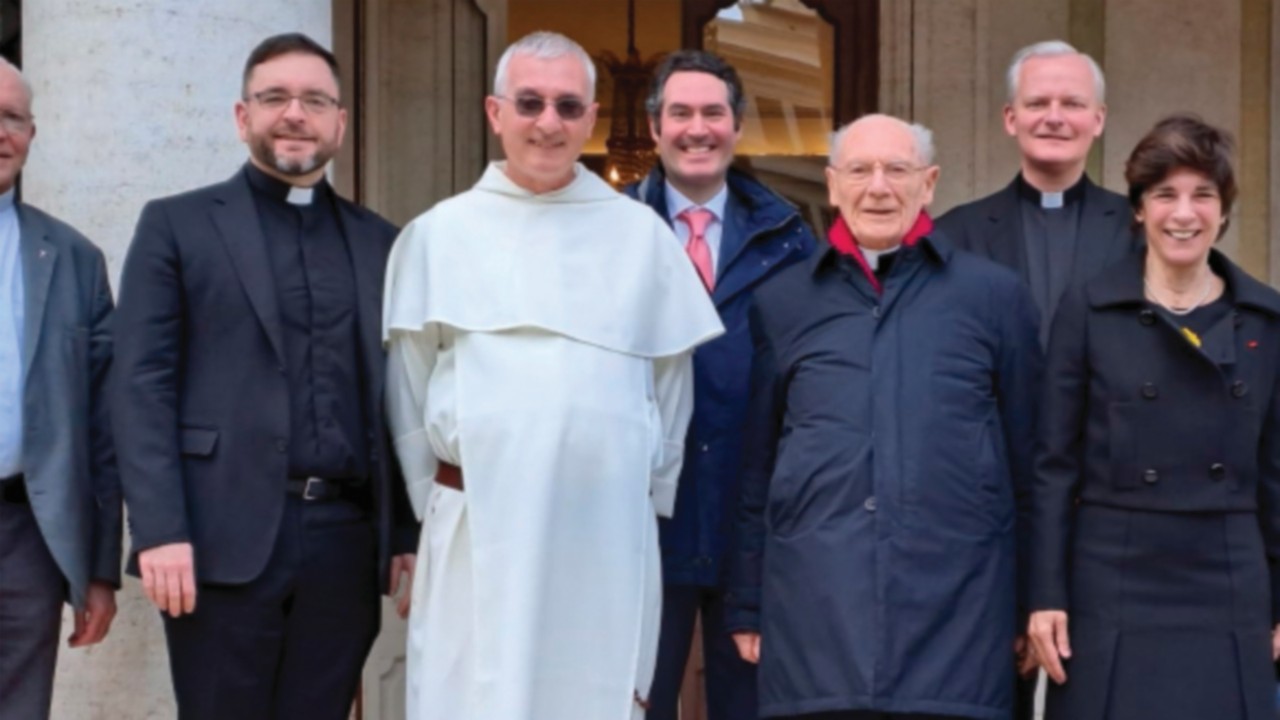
(1156, 504)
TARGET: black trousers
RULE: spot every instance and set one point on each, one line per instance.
(32, 591)
(1024, 698)
(872, 715)
(730, 680)
(290, 644)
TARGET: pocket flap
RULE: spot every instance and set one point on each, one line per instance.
(198, 441)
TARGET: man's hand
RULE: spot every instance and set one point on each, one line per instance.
(1275, 643)
(1024, 657)
(1048, 632)
(94, 621)
(748, 646)
(402, 565)
(169, 578)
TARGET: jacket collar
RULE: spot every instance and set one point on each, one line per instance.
(1122, 284)
(764, 207)
(935, 247)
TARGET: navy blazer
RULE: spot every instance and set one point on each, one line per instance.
(67, 453)
(200, 393)
(763, 233)
(888, 467)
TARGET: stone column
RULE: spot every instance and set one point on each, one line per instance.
(133, 101)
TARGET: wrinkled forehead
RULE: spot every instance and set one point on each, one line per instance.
(555, 77)
(882, 141)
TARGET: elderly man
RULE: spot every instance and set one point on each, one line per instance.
(265, 510)
(1052, 225)
(888, 457)
(737, 232)
(540, 331)
(59, 491)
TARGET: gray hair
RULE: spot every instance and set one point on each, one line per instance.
(545, 46)
(922, 136)
(1051, 48)
(26, 85)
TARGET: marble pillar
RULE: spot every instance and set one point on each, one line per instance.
(133, 101)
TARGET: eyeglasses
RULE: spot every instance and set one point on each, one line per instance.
(15, 123)
(313, 103)
(860, 173)
(532, 106)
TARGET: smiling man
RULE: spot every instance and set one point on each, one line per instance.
(265, 510)
(888, 454)
(737, 233)
(540, 329)
(1052, 224)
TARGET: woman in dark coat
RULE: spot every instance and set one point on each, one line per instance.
(1156, 505)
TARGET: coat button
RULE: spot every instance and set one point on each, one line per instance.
(875, 312)
(870, 504)
(281, 445)
(1147, 317)
(1150, 391)
(1217, 472)
(1239, 389)
(1150, 476)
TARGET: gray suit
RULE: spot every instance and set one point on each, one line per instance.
(69, 534)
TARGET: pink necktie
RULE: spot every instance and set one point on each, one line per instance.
(699, 252)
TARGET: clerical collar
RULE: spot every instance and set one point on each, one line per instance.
(6, 199)
(678, 203)
(1051, 200)
(876, 257)
(278, 189)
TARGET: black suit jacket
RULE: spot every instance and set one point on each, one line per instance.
(992, 228)
(67, 454)
(200, 391)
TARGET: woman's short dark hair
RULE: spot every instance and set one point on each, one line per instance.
(1183, 141)
(696, 61)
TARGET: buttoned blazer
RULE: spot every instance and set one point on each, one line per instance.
(67, 454)
(992, 227)
(200, 392)
(1135, 416)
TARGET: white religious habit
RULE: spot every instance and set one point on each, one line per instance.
(543, 343)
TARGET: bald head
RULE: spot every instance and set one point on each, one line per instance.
(881, 177)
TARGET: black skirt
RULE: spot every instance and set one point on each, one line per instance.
(1169, 619)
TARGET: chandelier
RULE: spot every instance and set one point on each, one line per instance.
(630, 148)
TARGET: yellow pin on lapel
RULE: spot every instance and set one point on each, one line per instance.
(1191, 337)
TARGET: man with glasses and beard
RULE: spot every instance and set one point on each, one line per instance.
(540, 329)
(252, 449)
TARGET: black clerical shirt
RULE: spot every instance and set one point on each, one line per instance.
(315, 287)
(1050, 222)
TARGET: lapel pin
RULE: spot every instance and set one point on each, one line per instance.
(1252, 344)
(43, 252)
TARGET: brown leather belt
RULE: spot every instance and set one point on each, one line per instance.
(449, 476)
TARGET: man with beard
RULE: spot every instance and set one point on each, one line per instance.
(247, 412)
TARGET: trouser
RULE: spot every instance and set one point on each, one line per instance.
(32, 591)
(290, 644)
(872, 715)
(730, 680)
(1024, 697)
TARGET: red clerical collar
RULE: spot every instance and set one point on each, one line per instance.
(842, 239)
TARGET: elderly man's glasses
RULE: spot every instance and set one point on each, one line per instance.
(532, 106)
(861, 173)
(313, 103)
(13, 122)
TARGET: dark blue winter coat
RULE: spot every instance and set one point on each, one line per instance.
(763, 234)
(888, 464)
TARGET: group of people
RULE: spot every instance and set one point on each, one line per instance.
(894, 472)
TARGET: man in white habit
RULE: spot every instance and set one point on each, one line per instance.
(540, 329)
